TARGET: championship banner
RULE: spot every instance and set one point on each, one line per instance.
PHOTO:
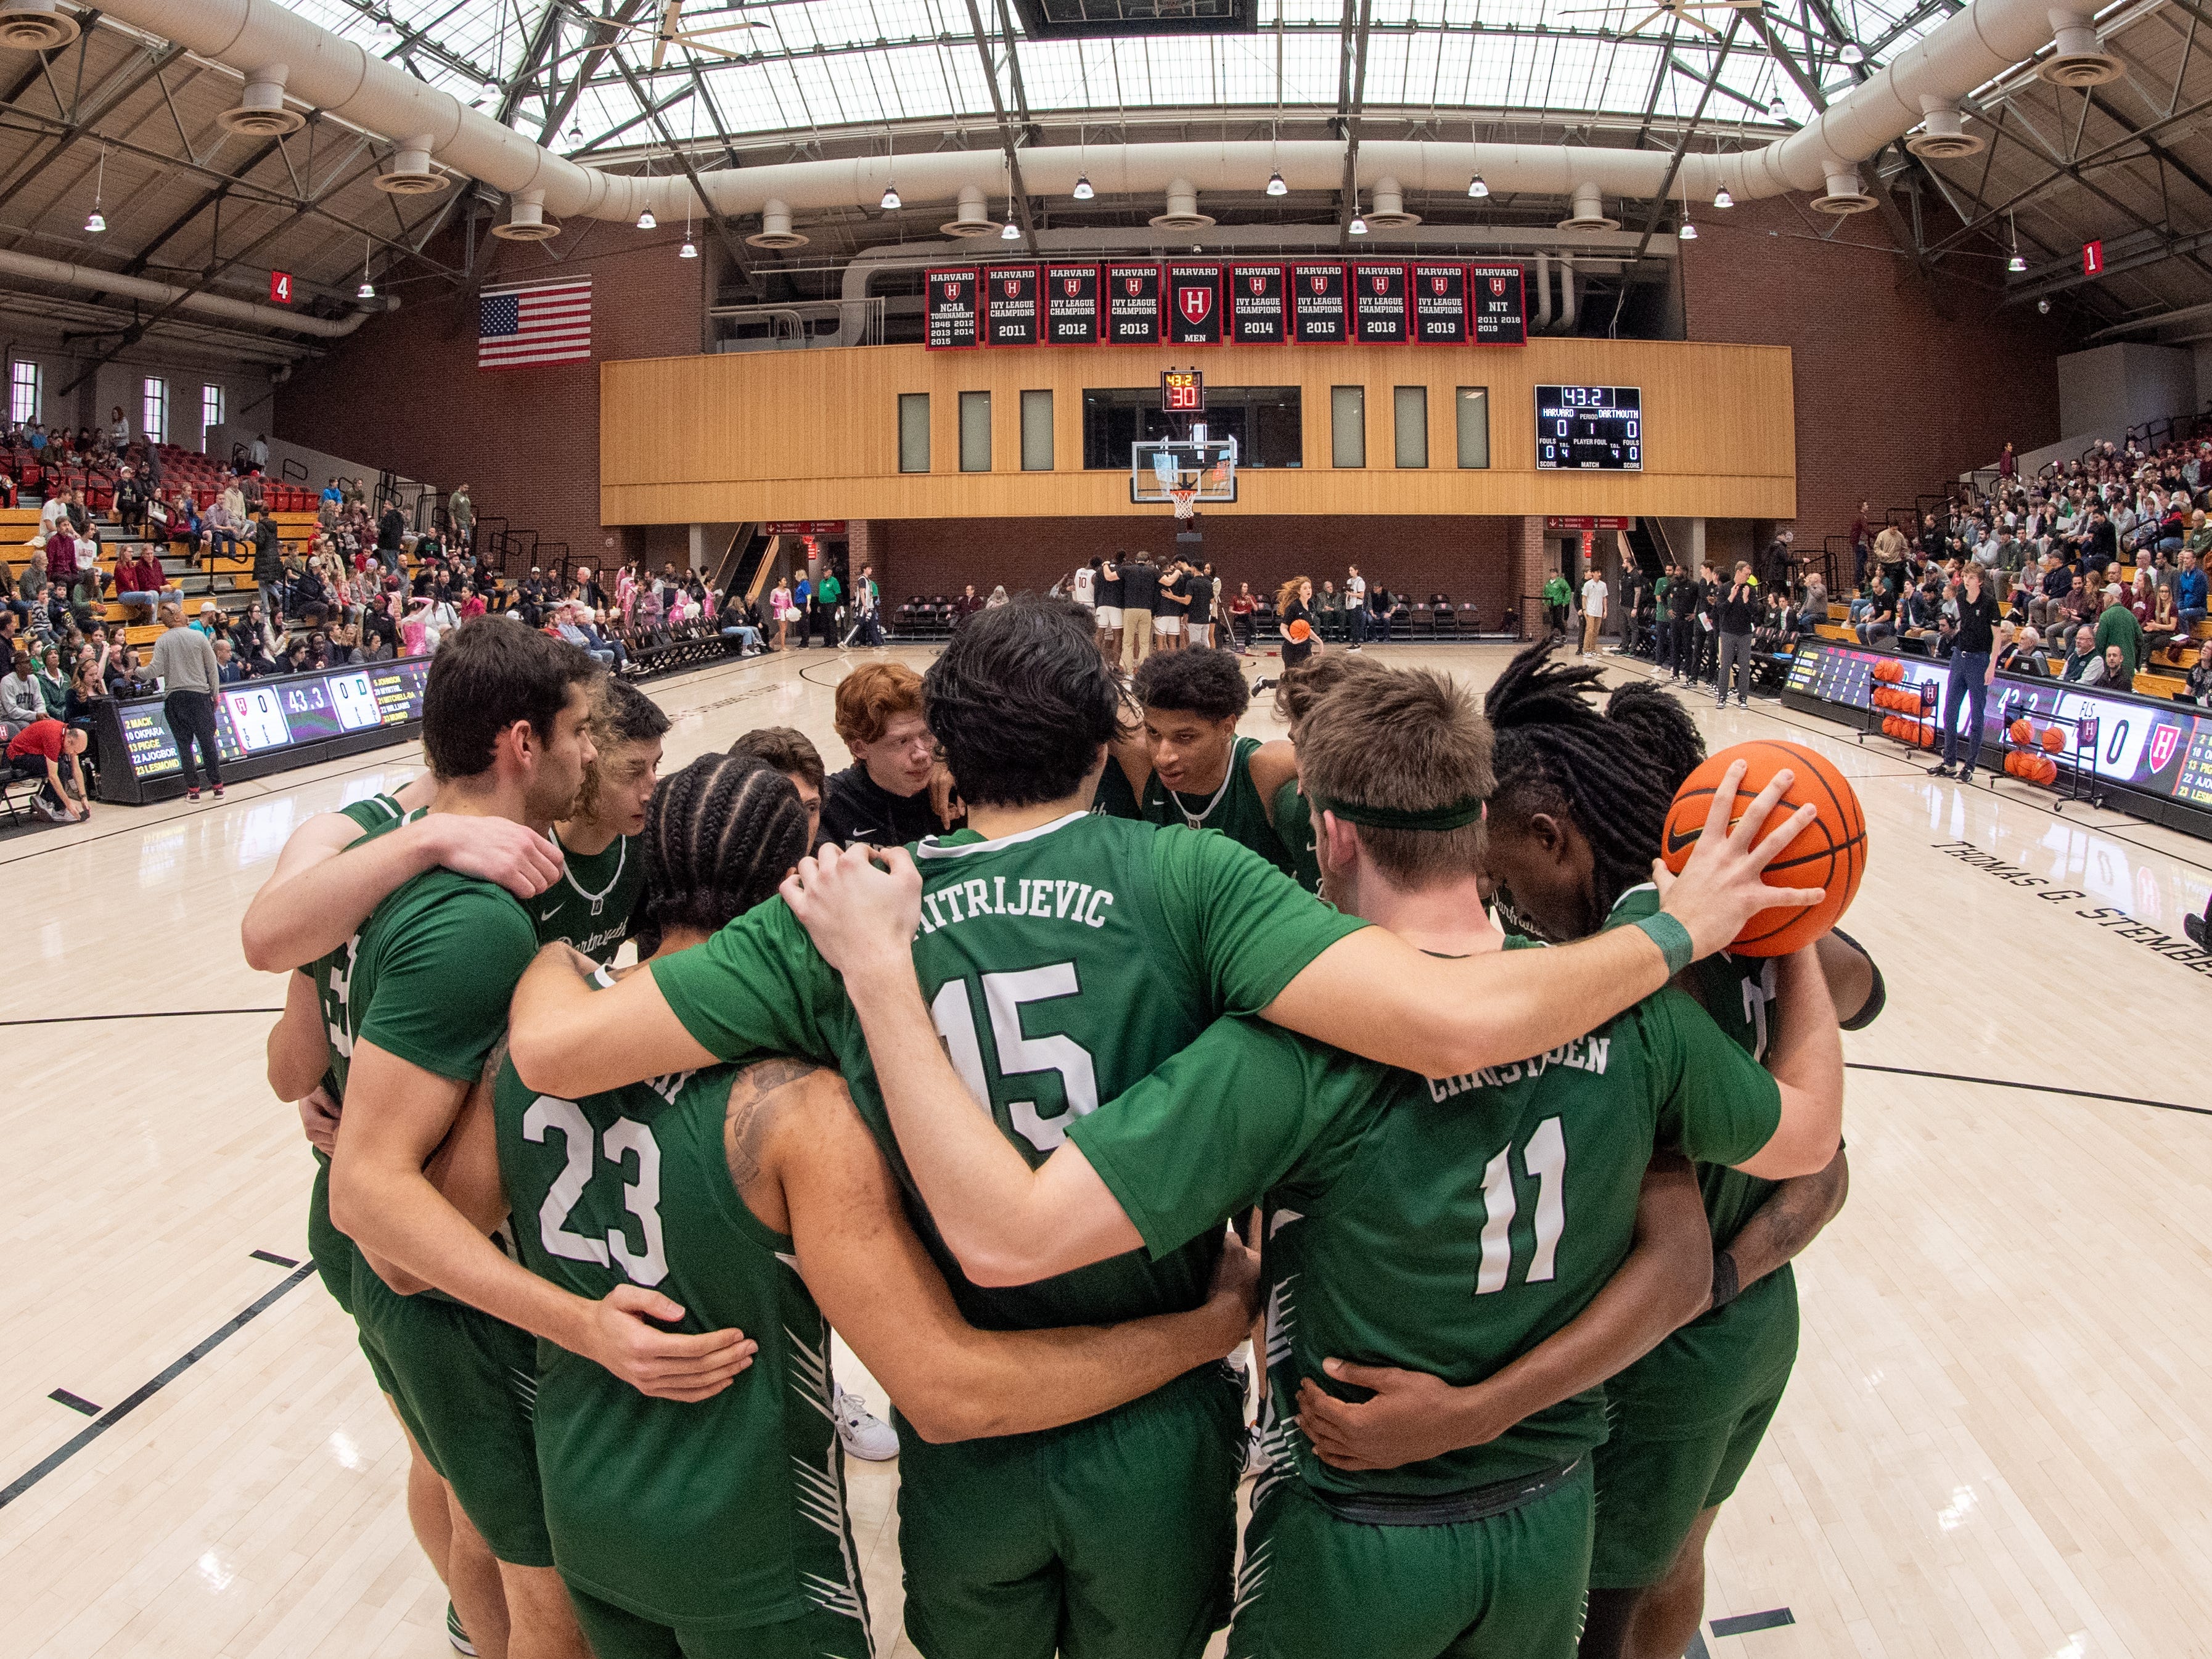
(1440, 305)
(1133, 305)
(1495, 306)
(1379, 305)
(952, 325)
(1193, 306)
(1255, 305)
(1071, 305)
(1013, 304)
(1317, 305)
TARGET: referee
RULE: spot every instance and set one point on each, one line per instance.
(1973, 665)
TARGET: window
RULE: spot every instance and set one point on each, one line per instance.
(210, 412)
(1347, 425)
(974, 432)
(1267, 421)
(1409, 408)
(1037, 431)
(913, 432)
(1472, 402)
(24, 391)
(154, 411)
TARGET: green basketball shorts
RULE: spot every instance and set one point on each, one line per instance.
(465, 1383)
(1508, 1586)
(616, 1633)
(1109, 1538)
(333, 1251)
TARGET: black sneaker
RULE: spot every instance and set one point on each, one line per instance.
(1967, 776)
(2194, 927)
(1941, 770)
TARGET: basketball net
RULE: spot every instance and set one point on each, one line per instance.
(1185, 502)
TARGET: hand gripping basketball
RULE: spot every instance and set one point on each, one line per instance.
(1809, 867)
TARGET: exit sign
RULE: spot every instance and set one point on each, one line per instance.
(2092, 259)
(280, 287)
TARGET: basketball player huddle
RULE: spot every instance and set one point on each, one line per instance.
(1515, 1204)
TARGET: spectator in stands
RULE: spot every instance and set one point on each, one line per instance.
(328, 505)
(222, 527)
(1781, 553)
(141, 581)
(999, 597)
(1880, 620)
(966, 605)
(252, 490)
(2200, 678)
(2083, 664)
(129, 502)
(790, 752)
(738, 624)
(21, 700)
(390, 524)
(269, 561)
(128, 675)
(86, 689)
(1813, 610)
(440, 619)
(2022, 653)
(2117, 629)
(53, 683)
(463, 512)
(228, 670)
(34, 575)
(1242, 610)
(2188, 589)
(883, 798)
(47, 749)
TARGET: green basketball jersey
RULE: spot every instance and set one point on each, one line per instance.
(1061, 964)
(1236, 811)
(1114, 798)
(332, 1250)
(1294, 828)
(590, 906)
(731, 1509)
(1444, 1225)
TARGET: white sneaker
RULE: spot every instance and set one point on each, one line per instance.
(864, 1435)
(1255, 1452)
(50, 814)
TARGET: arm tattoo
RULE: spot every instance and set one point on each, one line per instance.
(494, 1061)
(756, 1097)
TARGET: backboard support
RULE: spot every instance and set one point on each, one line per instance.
(1158, 466)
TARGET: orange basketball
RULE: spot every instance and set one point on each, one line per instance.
(1830, 853)
(2046, 770)
(1298, 632)
(2020, 733)
(1889, 669)
(2053, 740)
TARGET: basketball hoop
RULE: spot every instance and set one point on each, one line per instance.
(1185, 502)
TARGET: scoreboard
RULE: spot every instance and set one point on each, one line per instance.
(1182, 391)
(262, 725)
(1589, 428)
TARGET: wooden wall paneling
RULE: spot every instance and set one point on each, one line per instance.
(814, 434)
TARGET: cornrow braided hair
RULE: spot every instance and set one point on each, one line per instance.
(1616, 773)
(719, 837)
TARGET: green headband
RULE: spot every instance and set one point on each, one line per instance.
(1453, 815)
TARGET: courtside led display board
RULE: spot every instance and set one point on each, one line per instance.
(262, 725)
(1589, 428)
(2151, 746)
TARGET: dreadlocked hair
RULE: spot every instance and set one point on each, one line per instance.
(1614, 774)
(720, 836)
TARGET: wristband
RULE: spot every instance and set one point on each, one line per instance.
(1724, 1283)
(1672, 939)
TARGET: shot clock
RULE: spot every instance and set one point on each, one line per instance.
(1182, 391)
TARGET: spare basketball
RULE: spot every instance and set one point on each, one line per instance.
(1298, 632)
(1830, 853)
(2046, 770)
(2053, 740)
(1889, 669)
(2020, 733)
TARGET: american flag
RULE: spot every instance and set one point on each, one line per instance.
(523, 327)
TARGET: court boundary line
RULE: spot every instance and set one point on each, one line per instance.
(114, 1414)
(157, 1013)
(1635, 663)
(2032, 1088)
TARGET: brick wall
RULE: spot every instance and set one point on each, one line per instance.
(403, 393)
(1468, 558)
(1892, 394)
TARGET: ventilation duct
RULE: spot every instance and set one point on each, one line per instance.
(1986, 39)
(1943, 136)
(526, 220)
(95, 280)
(261, 112)
(974, 218)
(1589, 211)
(35, 26)
(1388, 212)
(2078, 61)
(410, 172)
(1182, 212)
(1566, 295)
(1844, 195)
(1543, 293)
(775, 231)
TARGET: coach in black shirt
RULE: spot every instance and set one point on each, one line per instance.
(1973, 666)
(1684, 595)
(1140, 592)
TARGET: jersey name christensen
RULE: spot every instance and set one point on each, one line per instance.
(1584, 1054)
(1059, 901)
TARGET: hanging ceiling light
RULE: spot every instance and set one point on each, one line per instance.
(2043, 305)
(1358, 226)
(690, 250)
(646, 221)
(891, 202)
(575, 132)
(1476, 188)
(1723, 199)
(1851, 53)
(1776, 107)
(93, 220)
(367, 289)
(1010, 232)
(1275, 185)
(1687, 234)
(1083, 192)
(2014, 264)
